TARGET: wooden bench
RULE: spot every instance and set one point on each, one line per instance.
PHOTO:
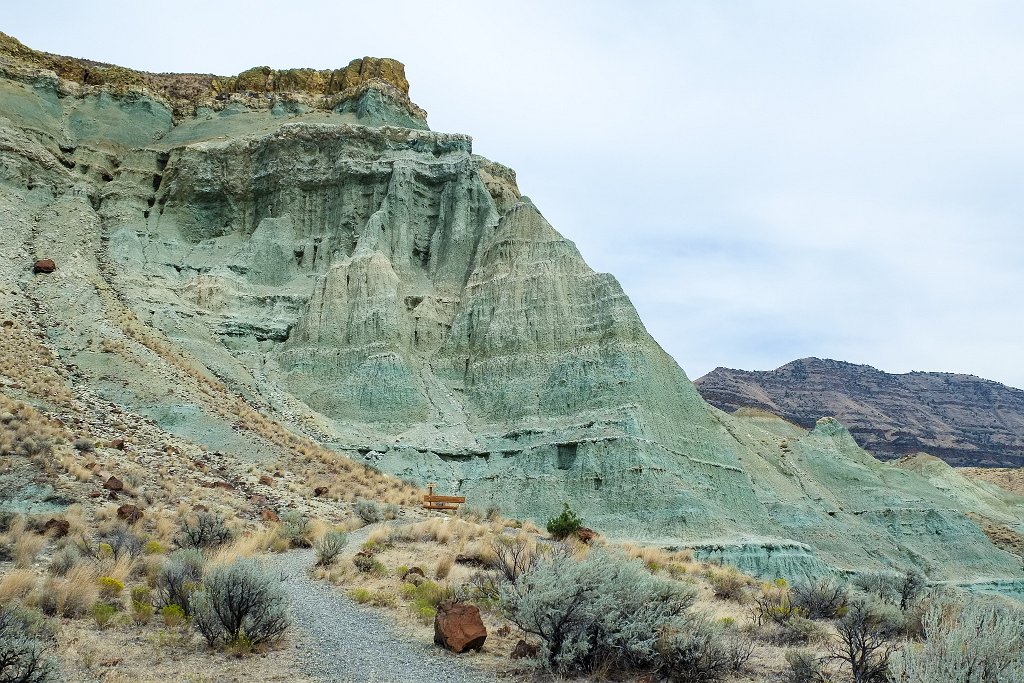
(434, 502)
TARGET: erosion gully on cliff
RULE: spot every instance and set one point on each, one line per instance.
(306, 238)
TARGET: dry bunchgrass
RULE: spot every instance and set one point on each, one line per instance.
(441, 530)
(121, 568)
(248, 544)
(26, 432)
(72, 465)
(75, 516)
(165, 527)
(16, 584)
(530, 528)
(444, 567)
(27, 548)
(380, 535)
(339, 573)
(71, 596)
(26, 361)
(657, 559)
(1008, 478)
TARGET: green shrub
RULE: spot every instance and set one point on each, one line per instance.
(24, 645)
(565, 524)
(173, 615)
(154, 548)
(142, 604)
(179, 578)
(142, 594)
(599, 610)
(369, 565)
(296, 529)
(820, 599)
(110, 588)
(360, 595)
(694, 651)
(426, 597)
(424, 613)
(207, 530)
(103, 614)
(976, 641)
(240, 603)
(142, 612)
(369, 511)
(330, 546)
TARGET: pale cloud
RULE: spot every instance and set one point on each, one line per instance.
(769, 180)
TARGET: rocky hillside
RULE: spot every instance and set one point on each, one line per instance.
(965, 420)
(321, 270)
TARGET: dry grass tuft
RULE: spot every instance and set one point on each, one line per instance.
(26, 549)
(444, 567)
(16, 584)
(71, 596)
(30, 365)
(28, 433)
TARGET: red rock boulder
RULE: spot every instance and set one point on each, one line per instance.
(129, 513)
(44, 265)
(113, 484)
(58, 527)
(458, 627)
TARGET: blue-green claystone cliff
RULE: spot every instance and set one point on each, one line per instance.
(305, 237)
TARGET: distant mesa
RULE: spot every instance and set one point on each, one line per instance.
(965, 420)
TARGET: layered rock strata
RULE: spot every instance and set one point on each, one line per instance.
(383, 289)
(965, 420)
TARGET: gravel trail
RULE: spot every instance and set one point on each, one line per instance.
(339, 641)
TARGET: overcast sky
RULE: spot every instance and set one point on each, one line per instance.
(768, 180)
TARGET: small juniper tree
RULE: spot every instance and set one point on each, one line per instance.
(565, 524)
